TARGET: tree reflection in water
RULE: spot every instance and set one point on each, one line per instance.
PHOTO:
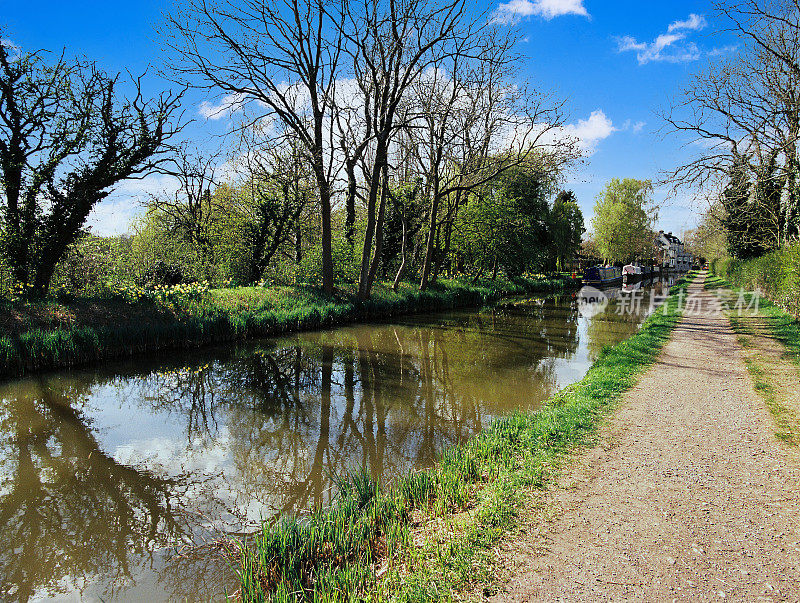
(253, 431)
(66, 507)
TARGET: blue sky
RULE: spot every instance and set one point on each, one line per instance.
(618, 62)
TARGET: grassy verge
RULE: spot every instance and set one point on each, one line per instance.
(781, 324)
(765, 365)
(429, 535)
(49, 335)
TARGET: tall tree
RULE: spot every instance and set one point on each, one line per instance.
(624, 214)
(744, 111)
(474, 123)
(392, 45)
(751, 212)
(279, 59)
(566, 228)
(67, 137)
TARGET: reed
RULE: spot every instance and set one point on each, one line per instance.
(361, 547)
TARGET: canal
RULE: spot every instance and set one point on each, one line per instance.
(119, 482)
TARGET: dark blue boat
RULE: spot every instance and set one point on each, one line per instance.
(602, 276)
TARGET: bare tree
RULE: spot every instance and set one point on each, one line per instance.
(66, 139)
(391, 45)
(188, 211)
(473, 123)
(744, 112)
(281, 59)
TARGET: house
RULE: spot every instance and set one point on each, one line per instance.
(672, 255)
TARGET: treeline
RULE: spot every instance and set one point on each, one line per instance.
(371, 140)
(745, 112)
(267, 231)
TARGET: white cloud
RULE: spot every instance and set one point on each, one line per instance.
(151, 185)
(693, 23)
(116, 214)
(228, 104)
(671, 47)
(591, 131)
(719, 51)
(635, 127)
(15, 49)
(514, 11)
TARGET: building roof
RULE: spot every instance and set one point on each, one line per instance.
(670, 237)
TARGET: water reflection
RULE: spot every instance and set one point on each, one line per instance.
(68, 508)
(103, 472)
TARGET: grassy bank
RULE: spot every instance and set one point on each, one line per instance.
(429, 535)
(51, 334)
(782, 325)
(767, 363)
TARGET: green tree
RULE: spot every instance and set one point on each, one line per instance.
(66, 139)
(526, 238)
(566, 228)
(708, 240)
(752, 210)
(480, 233)
(506, 224)
(624, 215)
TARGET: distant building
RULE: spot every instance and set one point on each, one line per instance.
(671, 252)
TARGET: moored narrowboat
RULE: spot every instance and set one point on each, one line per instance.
(602, 276)
(631, 273)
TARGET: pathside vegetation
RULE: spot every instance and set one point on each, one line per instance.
(776, 274)
(428, 535)
(187, 316)
(774, 321)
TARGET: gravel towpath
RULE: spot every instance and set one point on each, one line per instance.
(691, 497)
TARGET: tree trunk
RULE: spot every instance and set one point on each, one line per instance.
(298, 244)
(350, 202)
(429, 248)
(372, 201)
(437, 260)
(402, 268)
(327, 245)
(376, 260)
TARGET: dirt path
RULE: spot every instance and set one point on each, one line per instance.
(691, 497)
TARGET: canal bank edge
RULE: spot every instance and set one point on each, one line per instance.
(39, 350)
(432, 533)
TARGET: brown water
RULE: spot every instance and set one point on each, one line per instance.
(107, 475)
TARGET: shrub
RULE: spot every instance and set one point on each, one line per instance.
(776, 274)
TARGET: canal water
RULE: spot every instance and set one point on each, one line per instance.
(118, 482)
